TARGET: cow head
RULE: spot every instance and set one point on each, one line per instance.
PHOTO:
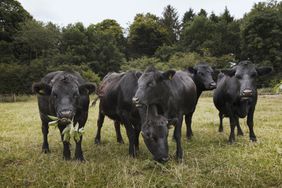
(155, 132)
(246, 73)
(64, 94)
(151, 89)
(203, 76)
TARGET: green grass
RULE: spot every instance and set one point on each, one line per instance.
(209, 161)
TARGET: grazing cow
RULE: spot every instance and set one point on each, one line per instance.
(174, 94)
(106, 107)
(116, 103)
(202, 75)
(236, 95)
(155, 131)
(66, 96)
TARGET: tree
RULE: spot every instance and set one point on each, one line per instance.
(35, 40)
(170, 21)
(203, 13)
(146, 34)
(261, 36)
(11, 15)
(105, 47)
(197, 34)
(188, 16)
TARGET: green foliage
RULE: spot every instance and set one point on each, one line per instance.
(11, 15)
(142, 63)
(83, 69)
(35, 40)
(261, 34)
(146, 35)
(170, 21)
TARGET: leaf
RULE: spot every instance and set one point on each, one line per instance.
(66, 130)
(81, 130)
(52, 117)
(53, 123)
(67, 137)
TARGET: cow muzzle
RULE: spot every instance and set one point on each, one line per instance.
(136, 102)
(246, 93)
(212, 85)
(65, 116)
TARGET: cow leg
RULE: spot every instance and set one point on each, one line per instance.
(239, 130)
(131, 137)
(188, 121)
(137, 133)
(250, 122)
(117, 128)
(78, 150)
(100, 122)
(220, 129)
(45, 131)
(179, 151)
(232, 128)
(66, 145)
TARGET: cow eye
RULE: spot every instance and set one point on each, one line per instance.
(253, 75)
(55, 95)
(75, 95)
(150, 84)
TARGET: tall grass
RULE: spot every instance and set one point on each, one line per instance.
(209, 161)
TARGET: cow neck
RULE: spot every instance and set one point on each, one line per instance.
(199, 85)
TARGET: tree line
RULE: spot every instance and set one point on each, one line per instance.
(30, 48)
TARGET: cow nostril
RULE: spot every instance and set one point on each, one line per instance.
(66, 113)
(135, 99)
(247, 92)
(213, 84)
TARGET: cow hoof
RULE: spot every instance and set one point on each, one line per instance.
(67, 158)
(45, 150)
(189, 138)
(220, 130)
(231, 141)
(253, 139)
(240, 134)
(97, 142)
(120, 141)
(79, 158)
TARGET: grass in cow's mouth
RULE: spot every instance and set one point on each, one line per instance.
(70, 131)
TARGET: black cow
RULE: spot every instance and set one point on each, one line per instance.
(116, 103)
(66, 96)
(106, 105)
(174, 94)
(236, 95)
(202, 75)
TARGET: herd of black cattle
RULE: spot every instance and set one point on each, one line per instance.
(150, 102)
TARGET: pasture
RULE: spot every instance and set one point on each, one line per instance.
(209, 161)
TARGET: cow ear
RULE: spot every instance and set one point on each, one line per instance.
(192, 70)
(168, 75)
(87, 88)
(41, 88)
(264, 70)
(138, 74)
(229, 72)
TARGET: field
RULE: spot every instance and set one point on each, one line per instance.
(209, 161)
